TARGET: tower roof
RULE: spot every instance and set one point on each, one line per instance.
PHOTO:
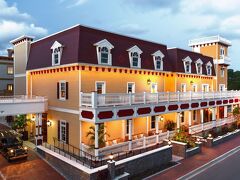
(210, 39)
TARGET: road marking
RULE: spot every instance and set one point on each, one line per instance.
(209, 164)
(2, 176)
(149, 177)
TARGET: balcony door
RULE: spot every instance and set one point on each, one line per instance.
(100, 87)
(130, 87)
(183, 87)
(154, 88)
(205, 88)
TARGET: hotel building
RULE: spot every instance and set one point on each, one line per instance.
(131, 89)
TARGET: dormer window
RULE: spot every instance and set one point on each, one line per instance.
(209, 68)
(56, 53)
(199, 66)
(134, 57)
(158, 60)
(187, 64)
(104, 55)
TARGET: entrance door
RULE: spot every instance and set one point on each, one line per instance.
(183, 87)
(154, 88)
(205, 88)
(44, 127)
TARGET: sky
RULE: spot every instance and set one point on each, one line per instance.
(170, 22)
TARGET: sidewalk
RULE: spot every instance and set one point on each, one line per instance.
(187, 165)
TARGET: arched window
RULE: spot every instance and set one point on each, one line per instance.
(56, 56)
(158, 60)
(187, 64)
(104, 55)
(57, 50)
(135, 59)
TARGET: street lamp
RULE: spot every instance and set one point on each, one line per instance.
(169, 142)
(111, 157)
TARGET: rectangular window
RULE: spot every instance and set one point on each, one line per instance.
(194, 87)
(135, 62)
(209, 70)
(183, 87)
(222, 71)
(158, 64)
(153, 121)
(10, 87)
(56, 59)
(130, 87)
(221, 87)
(9, 70)
(205, 88)
(63, 130)
(62, 90)
(187, 65)
(100, 87)
(194, 115)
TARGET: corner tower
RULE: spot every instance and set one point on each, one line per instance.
(21, 48)
(217, 48)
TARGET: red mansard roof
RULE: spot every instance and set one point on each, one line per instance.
(79, 47)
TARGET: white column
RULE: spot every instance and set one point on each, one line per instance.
(202, 116)
(36, 128)
(214, 116)
(130, 135)
(157, 129)
(225, 111)
(189, 120)
(96, 146)
(178, 121)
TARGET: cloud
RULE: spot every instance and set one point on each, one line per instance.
(131, 29)
(14, 24)
(73, 3)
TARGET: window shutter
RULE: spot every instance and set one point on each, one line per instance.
(67, 133)
(58, 130)
(66, 90)
(58, 90)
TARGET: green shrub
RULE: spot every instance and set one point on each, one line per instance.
(170, 125)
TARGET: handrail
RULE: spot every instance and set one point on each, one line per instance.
(95, 100)
(21, 98)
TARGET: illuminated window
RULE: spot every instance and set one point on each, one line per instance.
(10, 87)
(10, 70)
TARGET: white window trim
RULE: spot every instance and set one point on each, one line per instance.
(61, 130)
(104, 86)
(222, 49)
(224, 87)
(60, 97)
(134, 86)
(109, 46)
(158, 54)
(195, 85)
(130, 52)
(199, 61)
(56, 45)
(185, 85)
(154, 83)
(207, 87)
(187, 59)
(209, 64)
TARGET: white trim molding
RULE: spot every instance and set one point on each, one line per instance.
(185, 61)
(199, 62)
(158, 56)
(57, 49)
(19, 75)
(71, 111)
(209, 65)
(131, 52)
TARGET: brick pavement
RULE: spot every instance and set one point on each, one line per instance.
(187, 165)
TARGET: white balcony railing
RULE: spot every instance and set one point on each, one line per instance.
(101, 100)
(210, 39)
(21, 99)
(224, 60)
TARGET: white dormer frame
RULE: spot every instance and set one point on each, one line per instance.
(187, 59)
(199, 61)
(130, 54)
(209, 64)
(56, 49)
(101, 44)
(155, 55)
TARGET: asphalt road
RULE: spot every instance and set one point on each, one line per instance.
(228, 169)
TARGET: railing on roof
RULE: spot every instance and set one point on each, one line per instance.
(210, 39)
(95, 100)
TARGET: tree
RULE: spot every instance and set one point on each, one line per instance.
(20, 123)
(101, 134)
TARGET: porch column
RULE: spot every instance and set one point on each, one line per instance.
(36, 129)
(214, 116)
(225, 111)
(189, 120)
(202, 116)
(96, 146)
(40, 129)
(178, 121)
(157, 129)
(130, 134)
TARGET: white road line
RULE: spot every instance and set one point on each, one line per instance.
(209, 164)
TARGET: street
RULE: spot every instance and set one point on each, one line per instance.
(226, 169)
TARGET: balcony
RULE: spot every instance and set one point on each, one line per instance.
(211, 39)
(116, 106)
(223, 60)
(13, 105)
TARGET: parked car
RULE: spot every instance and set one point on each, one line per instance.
(11, 145)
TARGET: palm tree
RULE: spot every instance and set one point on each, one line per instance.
(101, 134)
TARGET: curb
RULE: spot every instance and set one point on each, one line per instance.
(209, 164)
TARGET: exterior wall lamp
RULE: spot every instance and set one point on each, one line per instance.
(149, 81)
(161, 118)
(191, 82)
(49, 123)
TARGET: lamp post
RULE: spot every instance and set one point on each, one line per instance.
(111, 166)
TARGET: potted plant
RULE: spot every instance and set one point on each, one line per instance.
(169, 125)
(19, 124)
(101, 134)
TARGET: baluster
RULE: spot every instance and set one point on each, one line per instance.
(144, 97)
(178, 95)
